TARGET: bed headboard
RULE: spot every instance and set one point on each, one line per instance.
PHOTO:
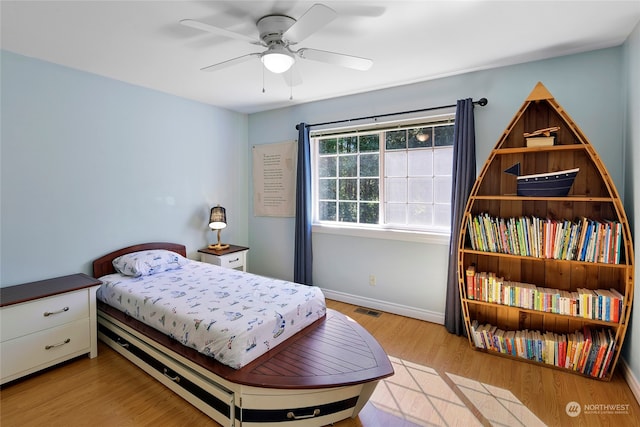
(103, 265)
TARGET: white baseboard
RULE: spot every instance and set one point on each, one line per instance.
(631, 379)
(402, 310)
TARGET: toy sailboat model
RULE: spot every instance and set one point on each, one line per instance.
(550, 184)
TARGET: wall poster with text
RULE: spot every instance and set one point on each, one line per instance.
(274, 179)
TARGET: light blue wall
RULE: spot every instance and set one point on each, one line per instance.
(631, 351)
(411, 275)
(90, 164)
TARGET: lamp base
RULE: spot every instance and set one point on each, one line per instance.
(218, 246)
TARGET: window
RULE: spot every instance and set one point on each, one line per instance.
(393, 178)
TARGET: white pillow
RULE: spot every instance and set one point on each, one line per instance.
(145, 263)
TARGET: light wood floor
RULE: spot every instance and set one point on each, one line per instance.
(110, 391)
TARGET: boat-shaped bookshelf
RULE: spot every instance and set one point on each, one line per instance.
(572, 245)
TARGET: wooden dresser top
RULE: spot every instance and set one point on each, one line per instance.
(44, 288)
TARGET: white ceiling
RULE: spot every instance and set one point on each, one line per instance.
(141, 42)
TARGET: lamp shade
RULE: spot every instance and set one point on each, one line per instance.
(277, 59)
(218, 218)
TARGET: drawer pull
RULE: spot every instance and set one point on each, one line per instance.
(234, 260)
(293, 416)
(60, 344)
(122, 344)
(50, 313)
(175, 379)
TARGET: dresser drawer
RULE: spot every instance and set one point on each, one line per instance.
(37, 315)
(41, 349)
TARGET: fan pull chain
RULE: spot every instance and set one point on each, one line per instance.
(263, 79)
(291, 84)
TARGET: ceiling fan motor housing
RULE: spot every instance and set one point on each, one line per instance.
(272, 27)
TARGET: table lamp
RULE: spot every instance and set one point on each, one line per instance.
(218, 221)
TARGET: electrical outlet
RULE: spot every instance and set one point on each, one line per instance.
(372, 280)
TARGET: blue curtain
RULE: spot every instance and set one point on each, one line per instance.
(303, 259)
(464, 176)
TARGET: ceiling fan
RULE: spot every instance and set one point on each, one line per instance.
(278, 33)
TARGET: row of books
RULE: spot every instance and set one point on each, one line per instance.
(599, 304)
(582, 240)
(588, 351)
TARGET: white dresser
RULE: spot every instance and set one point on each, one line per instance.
(46, 322)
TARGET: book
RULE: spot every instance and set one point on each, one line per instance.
(471, 281)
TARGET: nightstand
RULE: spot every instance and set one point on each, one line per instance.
(232, 257)
(46, 322)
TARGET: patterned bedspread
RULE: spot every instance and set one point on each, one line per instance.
(230, 315)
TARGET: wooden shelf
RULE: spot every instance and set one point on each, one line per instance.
(515, 197)
(592, 195)
(501, 255)
(532, 311)
(552, 148)
(534, 362)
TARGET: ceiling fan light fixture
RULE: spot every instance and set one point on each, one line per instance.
(277, 59)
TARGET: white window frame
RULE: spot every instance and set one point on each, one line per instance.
(379, 231)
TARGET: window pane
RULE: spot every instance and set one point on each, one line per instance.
(396, 190)
(443, 135)
(370, 165)
(369, 213)
(396, 213)
(420, 214)
(348, 211)
(348, 189)
(396, 139)
(420, 190)
(395, 163)
(406, 172)
(369, 189)
(369, 143)
(327, 166)
(348, 165)
(442, 216)
(327, 146)
(348, 144)
(327, 211)
(421, 163)
(327, 189)
(443, 161)
(420, 137)
(442, 189)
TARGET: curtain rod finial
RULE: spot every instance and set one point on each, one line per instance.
(482, 102)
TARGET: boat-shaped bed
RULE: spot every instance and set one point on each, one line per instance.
(320, 375)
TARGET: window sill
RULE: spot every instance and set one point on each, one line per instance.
(408, 236)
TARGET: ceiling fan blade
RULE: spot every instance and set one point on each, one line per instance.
(292, 77)
(217, 30)
(316, 17)
(348, 61)
(230, 62)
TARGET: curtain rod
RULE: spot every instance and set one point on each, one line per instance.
(482, 102)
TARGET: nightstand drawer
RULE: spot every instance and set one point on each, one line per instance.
(25, 318)
(41, 349)
(231, 257)
(233, 260)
